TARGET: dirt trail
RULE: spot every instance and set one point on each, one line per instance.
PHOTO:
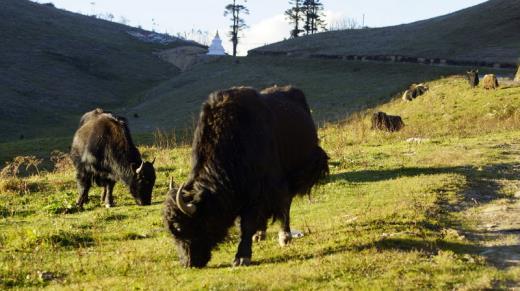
(499, 231)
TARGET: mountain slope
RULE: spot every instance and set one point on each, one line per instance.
(487, 32)
(56, 64)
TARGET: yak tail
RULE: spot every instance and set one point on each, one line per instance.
(315, 169)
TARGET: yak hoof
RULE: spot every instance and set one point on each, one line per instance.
(259, 236)
(109, 205)
(242, 262)
(284, 238)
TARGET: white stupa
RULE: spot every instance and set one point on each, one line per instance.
(216, 48)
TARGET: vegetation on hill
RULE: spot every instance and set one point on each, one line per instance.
(393, 214)
(486, 32)
(333, 88)
(57, 64)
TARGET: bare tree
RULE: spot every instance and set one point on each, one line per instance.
(345, 24)
(235, 10)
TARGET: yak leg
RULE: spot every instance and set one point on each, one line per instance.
(104, 195)
(284, 235)
(248, 227)
(260, 234)
(109, 197)
(84, 182)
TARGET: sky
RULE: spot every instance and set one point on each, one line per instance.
(266, 20)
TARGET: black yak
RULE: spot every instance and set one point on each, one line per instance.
(103, 152)
(472, 77)
(252, 153)
(490, 81)
(385, 122)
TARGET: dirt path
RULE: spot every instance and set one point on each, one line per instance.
(496, 216)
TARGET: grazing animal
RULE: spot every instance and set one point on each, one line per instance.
(517, 77)
(382, 121)
(415, 91)
(489, 82)
(472, 77)
(103, 152)
(252, 153)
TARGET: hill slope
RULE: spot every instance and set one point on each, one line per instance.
(392, 214)
(486, 32)
(333, 88)
(55, 64)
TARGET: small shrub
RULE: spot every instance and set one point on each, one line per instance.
(61, 161)
(12, 169)
(18, 186)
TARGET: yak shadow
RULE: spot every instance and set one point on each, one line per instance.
(482, 186)
(499, 256)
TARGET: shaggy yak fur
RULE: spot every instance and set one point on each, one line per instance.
(252, 153)
(489, 82)
(103, 152)
(472, 77)
(415, 91)
(382, 121)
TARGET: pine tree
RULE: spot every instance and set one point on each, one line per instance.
(295, 17)
(313, 13)
(235, 10)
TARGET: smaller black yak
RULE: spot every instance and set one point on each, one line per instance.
(103, 152)
(472, 77)
(252, 153)
(385, 122)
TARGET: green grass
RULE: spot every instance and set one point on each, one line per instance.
(392, 214)
(462, 36)
(333, 88)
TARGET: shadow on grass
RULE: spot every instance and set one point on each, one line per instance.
(498, 256)
(482, 186)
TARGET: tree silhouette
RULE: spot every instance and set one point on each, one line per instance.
(313, 13)
(295, 16)
(236, 10)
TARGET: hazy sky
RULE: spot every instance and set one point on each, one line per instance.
(266, 20)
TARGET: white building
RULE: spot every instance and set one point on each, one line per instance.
(216, 48)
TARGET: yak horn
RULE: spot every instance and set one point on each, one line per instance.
(170, 187)
(153, 162)
(188, 209)
(140, 168)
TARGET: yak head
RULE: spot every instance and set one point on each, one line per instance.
(142, 183)
(188, 226)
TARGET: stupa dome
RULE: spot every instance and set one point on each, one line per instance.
(216, 48)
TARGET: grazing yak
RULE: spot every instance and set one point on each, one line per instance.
(103, 152)
(252, 153)
(472, 77)
(489, 82)
(415, 91)
(385, 122)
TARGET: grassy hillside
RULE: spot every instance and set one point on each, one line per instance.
(392, 215)
(333, 88)
(56, 64)
(486, 32)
